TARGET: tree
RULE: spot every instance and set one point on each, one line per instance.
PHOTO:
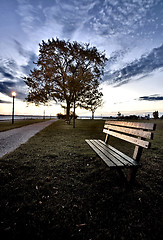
(119, 115)
(64, 71)
(155, 114)
(91, 99)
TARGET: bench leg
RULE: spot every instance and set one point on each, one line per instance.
(122, 175)
(132, 171)
(129, 179)
(131, 175)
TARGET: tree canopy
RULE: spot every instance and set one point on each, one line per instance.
(91, 99)
(64, 71)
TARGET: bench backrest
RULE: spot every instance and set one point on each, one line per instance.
(133, 132)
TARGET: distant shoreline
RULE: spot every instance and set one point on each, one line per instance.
(28, 117)
(24, 117)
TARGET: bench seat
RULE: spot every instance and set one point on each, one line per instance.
(111, 156)
(136, 133)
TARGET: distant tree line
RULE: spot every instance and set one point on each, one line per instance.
(63, 116)
(155, 115)
(135, 117)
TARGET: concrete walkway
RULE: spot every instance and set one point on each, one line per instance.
(12, 139)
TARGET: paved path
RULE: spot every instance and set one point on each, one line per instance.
(12, 139)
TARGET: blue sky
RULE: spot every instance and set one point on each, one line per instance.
(129, 31)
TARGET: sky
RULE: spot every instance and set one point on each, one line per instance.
(129, 31)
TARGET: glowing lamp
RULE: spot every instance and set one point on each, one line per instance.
(13, 94)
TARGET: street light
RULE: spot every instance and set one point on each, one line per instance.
(13, 95)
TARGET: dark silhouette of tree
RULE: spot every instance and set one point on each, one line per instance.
(91, 99)
(119, 115)
(155, 115)
(64, 71)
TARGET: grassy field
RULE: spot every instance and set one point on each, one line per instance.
(55, 187)
(7, 125)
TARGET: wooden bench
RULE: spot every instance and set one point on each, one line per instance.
(134, 132)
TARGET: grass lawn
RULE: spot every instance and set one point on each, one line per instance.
(55, 187)
(7, 125)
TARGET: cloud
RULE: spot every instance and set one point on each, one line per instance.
(6, 87)
(10, 76)
(138, 68)
(5, 102)
(12, 73)
(102, 16)
(112, 18)
(29, 15)
(95, 21)
(155, 97)
(22, 52)
(28, 55)
(30, 58)
(30, 64)
(7, 68)
(6, 74)
(66, 17)
(117, 56)
(38, 21)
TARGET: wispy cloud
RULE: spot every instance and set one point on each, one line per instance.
(56, 18)
(30, 15)
(5, 102)
(6, 87)
(12, 73)
(8, 67)
(97, 21)
(114, 18)
(155, 97)
(138, 68)
(30, 57)
(5, 73)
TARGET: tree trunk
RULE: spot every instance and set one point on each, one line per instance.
(68, 113)
(93, 115)
(74, 116)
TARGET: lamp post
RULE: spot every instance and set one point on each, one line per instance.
(13, 95)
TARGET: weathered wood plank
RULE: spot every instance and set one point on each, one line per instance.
(105, 159)
(130, 160)
(111, 156)
(113, 153)
(136, 141)
(147, 126)
(107, 154)
(131, 131)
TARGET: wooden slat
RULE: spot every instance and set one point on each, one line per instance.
(106, 160)
(147, 126)
(131, 131)
(110, 155)
(113, 153)
(133, 140)
(121, 154)
(107, 154)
